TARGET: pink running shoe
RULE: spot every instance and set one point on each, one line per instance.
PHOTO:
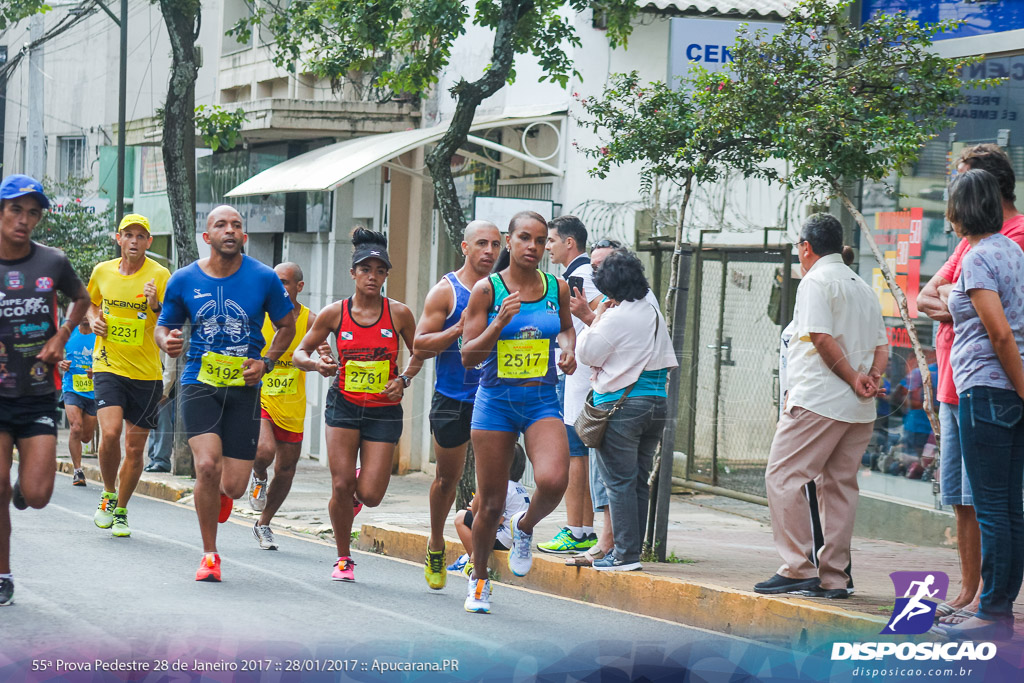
(343, 570)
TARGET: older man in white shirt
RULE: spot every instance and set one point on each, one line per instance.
(835, 359)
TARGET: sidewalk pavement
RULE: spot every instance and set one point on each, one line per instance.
(722, 548)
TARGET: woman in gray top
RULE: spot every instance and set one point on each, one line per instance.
(987, 306)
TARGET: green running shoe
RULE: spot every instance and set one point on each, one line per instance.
(104, 515)
(588, 542)
(434, 569)
(564, 543)
(119, 527)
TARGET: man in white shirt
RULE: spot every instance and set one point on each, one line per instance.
(567, 244)
(837, 354)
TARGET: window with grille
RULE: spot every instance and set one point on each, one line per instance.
(72, 158)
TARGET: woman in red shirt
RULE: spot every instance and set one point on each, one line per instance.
(364, 411)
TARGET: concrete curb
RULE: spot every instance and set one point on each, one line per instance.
(792, 622)
(172, 490)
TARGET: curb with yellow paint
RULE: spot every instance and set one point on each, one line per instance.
(796, 623)
(172, 491)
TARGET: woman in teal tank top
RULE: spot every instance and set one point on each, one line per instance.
(512, 323)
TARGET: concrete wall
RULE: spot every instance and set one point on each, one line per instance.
(81, 84)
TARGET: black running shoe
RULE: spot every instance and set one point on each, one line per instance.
(6, 592)
(17, 498)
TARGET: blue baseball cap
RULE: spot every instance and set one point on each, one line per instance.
(19, 185)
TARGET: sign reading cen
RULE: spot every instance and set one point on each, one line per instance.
(707, 42)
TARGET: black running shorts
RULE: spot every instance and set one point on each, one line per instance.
(232, 413)
(374, 423)
(450, 420)
(138, 398)
(29, 416)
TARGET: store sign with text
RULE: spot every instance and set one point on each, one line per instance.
(898, 235)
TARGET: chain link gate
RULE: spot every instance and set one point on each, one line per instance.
(740, 303)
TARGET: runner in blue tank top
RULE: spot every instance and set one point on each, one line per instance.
(439, 334)
(79, 399)
(512, 323)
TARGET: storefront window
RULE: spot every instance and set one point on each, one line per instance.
(915, 238)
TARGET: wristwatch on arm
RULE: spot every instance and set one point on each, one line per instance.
(406, 380)
(268, 363)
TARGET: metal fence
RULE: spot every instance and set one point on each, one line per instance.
(740, 301)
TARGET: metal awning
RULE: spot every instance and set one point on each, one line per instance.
(752, 9)
(327, 168)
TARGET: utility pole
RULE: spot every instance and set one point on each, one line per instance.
(121, 110)
(35, 162)
(3, 108)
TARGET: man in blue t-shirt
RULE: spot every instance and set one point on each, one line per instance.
(78, 396)
(916, 427)
(225, 297)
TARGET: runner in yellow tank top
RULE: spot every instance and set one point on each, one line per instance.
(283, 409)
(127, 294)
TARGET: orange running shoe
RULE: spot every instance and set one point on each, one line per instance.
(225, 508)
(209, 568)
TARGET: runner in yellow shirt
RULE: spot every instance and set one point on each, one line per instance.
(126, 298)
(283, 412)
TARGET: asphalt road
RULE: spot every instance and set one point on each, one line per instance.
(82, 595)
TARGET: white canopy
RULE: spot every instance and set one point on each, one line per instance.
(324, 169)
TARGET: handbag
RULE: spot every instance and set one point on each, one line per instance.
(592, 422)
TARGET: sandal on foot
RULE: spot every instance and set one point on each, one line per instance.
(585, 559)
(957, 617)
(944, 609)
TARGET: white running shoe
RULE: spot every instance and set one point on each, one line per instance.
(257, 493)
(264, 535)
(478, 597)
(520, 555)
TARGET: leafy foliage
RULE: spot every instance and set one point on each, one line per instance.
(219, 127)
(830, 98)
(13, 11)
(86, 237)
(667, 131)
(402, 45)
(839, 100)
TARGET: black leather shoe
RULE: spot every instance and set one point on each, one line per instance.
(153, 467)
(781, 584)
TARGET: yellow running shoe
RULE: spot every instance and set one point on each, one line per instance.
(119, 527)
(434, 569)
(104, 515)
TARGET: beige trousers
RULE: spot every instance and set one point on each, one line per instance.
(805, 446)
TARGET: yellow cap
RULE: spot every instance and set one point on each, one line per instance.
(134, 219)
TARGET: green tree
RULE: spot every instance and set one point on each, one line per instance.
(220, 128)
(846, 101)
(664, 129)
(183, 20)
(86, 236)
(400, 46)
(13, 11)
(832, 99)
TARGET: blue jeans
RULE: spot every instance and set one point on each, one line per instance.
(992, 439)
(161, 441)
(954, 485)
(625, 459)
